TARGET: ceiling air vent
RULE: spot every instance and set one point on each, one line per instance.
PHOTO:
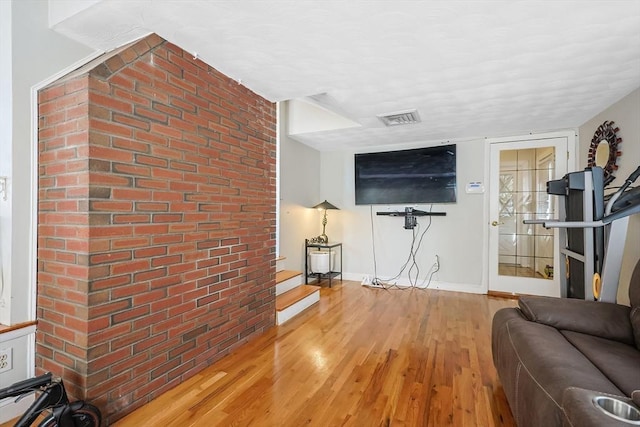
(407, 117)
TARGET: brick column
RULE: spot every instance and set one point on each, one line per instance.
(156, 234)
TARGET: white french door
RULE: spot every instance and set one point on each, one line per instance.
(524, 257)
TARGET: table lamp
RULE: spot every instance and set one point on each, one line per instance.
(324, 206)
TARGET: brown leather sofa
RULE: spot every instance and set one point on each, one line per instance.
(553, 356)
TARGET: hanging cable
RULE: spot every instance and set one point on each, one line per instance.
(413, 273)
(373, 245)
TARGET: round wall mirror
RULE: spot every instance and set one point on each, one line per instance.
(602, 153)
(603, 150)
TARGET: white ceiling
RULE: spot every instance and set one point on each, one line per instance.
(470, 68)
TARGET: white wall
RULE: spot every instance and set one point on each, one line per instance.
(299, 190)
(5, 159)
(456, 238)
(626, 115)
(22, 349)
(35, 54)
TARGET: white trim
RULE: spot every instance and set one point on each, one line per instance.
(572, 145)
(300, 306)
(33, 232)
(569, 133)
(278, 124)
(6, 166)
(485, 217)
(17, 333)
(571, 137)
(288, 284)
(10, 408)
(458, 287)
(33, 229)
(438, 285)
(36, 87)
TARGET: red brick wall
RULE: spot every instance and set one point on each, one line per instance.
(156, 233)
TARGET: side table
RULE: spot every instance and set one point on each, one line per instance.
(334, 271)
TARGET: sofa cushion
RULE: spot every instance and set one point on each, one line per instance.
(536, 363)
(590, 317)
(617, 361)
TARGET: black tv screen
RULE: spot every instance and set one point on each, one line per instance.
(421, 175)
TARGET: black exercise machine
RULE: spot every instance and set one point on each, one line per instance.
(593, 229)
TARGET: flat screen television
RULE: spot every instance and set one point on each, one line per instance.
(421, 175)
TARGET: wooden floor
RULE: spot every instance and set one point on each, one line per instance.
(361, 357)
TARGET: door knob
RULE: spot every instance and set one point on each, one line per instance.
(496, 223)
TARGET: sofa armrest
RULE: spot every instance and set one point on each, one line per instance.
(580, 410)
(600, 319)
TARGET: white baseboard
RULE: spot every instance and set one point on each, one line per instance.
(458, 287)
(10, 409)
(435, 284)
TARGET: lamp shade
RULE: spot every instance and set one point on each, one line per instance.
(325, 205)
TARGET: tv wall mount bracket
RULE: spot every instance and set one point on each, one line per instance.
(410, 216)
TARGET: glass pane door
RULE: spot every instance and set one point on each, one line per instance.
(525, 250)
(522, 257)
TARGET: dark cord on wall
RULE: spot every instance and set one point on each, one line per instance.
(414, 269)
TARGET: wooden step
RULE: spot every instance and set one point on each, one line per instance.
(287, 280)
(294, 295)
(295, 301)
(283, 275)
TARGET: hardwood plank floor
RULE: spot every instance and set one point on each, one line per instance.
(361, 357)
